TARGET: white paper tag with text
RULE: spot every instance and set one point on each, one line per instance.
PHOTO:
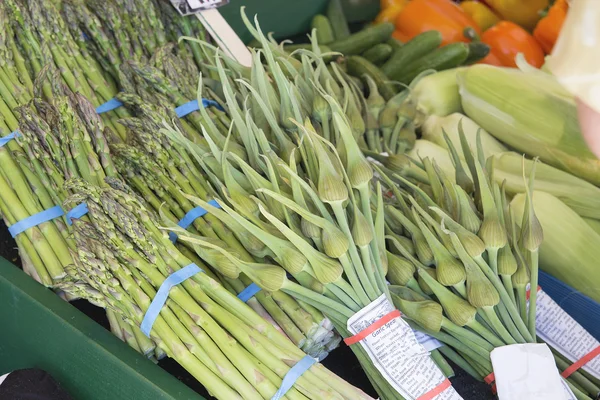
(557, 328)
(395, 352)
(527, 372)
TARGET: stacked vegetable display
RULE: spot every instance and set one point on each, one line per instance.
(276, 156)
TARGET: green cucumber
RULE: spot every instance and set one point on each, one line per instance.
(359, 66)
(449, 56)
(339, 24)
(363, 40)
(415, 48)
(379, 53)
(395, 43)
(324, 30)
(477, 51)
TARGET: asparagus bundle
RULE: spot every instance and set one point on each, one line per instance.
(36, 37)
(472, 261)
(121, 260)
(161, 171)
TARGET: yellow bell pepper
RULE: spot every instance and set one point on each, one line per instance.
(522, 12)
(481, 14)
(390, 13)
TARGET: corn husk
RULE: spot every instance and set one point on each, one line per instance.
(581, 196)
(571, 248)
(437, 94)
(532, 113)
(434, 127)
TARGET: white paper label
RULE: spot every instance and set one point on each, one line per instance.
(397, 355)
(527, 372)
(430, 343)
(557, 328)
(3, 377)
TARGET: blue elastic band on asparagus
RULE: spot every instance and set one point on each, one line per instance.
(160, 299)
(193, 105)
(292, 376)
(4, 141)
(108, 106)
(249, 292)
(35, 220)
(190, 217)
(77, 212)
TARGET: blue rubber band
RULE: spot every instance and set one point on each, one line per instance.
(108, 106)
(249, 292)
(292, 376)
(77, 212)
(193, 105)
(4, 141)
(35, 220)
(190, 217)
(160, 299)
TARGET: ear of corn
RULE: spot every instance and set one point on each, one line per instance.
(434, 127)
(581, 196)
(571, 248)
(437, 94)
(531, 112)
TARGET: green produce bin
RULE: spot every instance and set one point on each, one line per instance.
(39, 329)
(287, 18)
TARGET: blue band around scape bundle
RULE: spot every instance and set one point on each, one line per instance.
(190, 217)
(162, 295)
(249, 292)
(292, 376)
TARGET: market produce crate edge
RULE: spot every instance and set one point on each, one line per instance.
(42, 330)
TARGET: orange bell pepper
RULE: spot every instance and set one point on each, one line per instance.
(506, 40)
(441, 15)
(481, 14)
(547, 30)
(390, 14)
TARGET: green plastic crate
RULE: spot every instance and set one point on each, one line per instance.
(291, 17)
(39, 329)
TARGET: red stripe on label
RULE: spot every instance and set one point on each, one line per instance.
(372, 328)
(490, 378)
(435, 391)
(584, 360)
(529, 292)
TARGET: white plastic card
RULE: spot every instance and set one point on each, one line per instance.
(527, 372)
(428, 342)
(397, 355)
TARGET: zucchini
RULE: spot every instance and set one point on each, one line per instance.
(359, 66)
(379, 53)
(477, 51)
(449, 56)
(324, 30)
(415, 48)
(363, 40)
(337, 19)
(395, 43)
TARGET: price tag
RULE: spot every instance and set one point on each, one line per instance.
(557, 328)
(391, 345)
(188, 7)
